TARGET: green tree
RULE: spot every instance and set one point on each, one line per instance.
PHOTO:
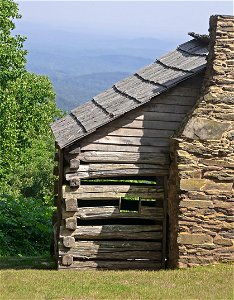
(27, 102)
(12, 66)
(27, 107)
(12, 54)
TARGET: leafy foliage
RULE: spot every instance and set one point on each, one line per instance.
(25, 226)
(12, 54)
(27, 107)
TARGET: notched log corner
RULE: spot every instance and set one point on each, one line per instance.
(74, 181)
(71, 223)
(68, 241)
(67, 260)
(71, 204)
(74, 163)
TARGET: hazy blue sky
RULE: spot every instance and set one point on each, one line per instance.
(126, 18)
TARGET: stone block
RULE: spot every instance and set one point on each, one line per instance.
(204, 129)
(223, 204)
(198, 195)
(192, 184)
(196, 203)
(226, 162)
(217, 187)
(222, 241)
(221, 175)
(194, 239)
(190, 174)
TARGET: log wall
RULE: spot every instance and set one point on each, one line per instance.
(122, 224)
(136, 143)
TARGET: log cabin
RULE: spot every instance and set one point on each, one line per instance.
(145, 169)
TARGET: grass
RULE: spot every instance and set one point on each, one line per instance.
(25, 279)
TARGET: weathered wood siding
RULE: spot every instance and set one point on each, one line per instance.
(101, 228)
(122, 225)
(138, 142)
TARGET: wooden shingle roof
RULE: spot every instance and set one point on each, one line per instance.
(186, 61)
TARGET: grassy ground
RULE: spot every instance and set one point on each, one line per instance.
(33, 278)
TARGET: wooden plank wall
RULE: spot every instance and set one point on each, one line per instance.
(101, 228)
(136, 143)
(95, 232)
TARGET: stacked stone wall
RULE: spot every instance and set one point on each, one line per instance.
(202, 169)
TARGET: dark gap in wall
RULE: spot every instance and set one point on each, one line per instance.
(152, 203)
(129, 205)
(96, 203)
(127, 221)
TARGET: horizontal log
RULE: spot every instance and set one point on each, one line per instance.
(111, 254)
(126, 148)
(113, 265)
(112, 192)
(112, 232)
(151, 124)
(175, 100)
(108, 246)
(122, 188)
(95, 167)
(113, 212)
(134, 141)
(124, 157)
(191, 85)
(153, 133)
(167, 108)
(118, 172)
(159, 116)
(115, 196)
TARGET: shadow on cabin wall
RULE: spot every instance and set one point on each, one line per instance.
(110, 232)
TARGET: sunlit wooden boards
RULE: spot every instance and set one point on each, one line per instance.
(136, 144)
(111, 227)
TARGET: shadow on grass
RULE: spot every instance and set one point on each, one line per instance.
(27, 262)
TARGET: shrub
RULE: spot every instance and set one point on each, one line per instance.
(25, 226)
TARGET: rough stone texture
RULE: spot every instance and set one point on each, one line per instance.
(202, 170)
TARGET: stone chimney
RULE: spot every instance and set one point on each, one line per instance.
(202, 170)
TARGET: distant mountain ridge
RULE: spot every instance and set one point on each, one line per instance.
(82, 65)
(75, 90)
